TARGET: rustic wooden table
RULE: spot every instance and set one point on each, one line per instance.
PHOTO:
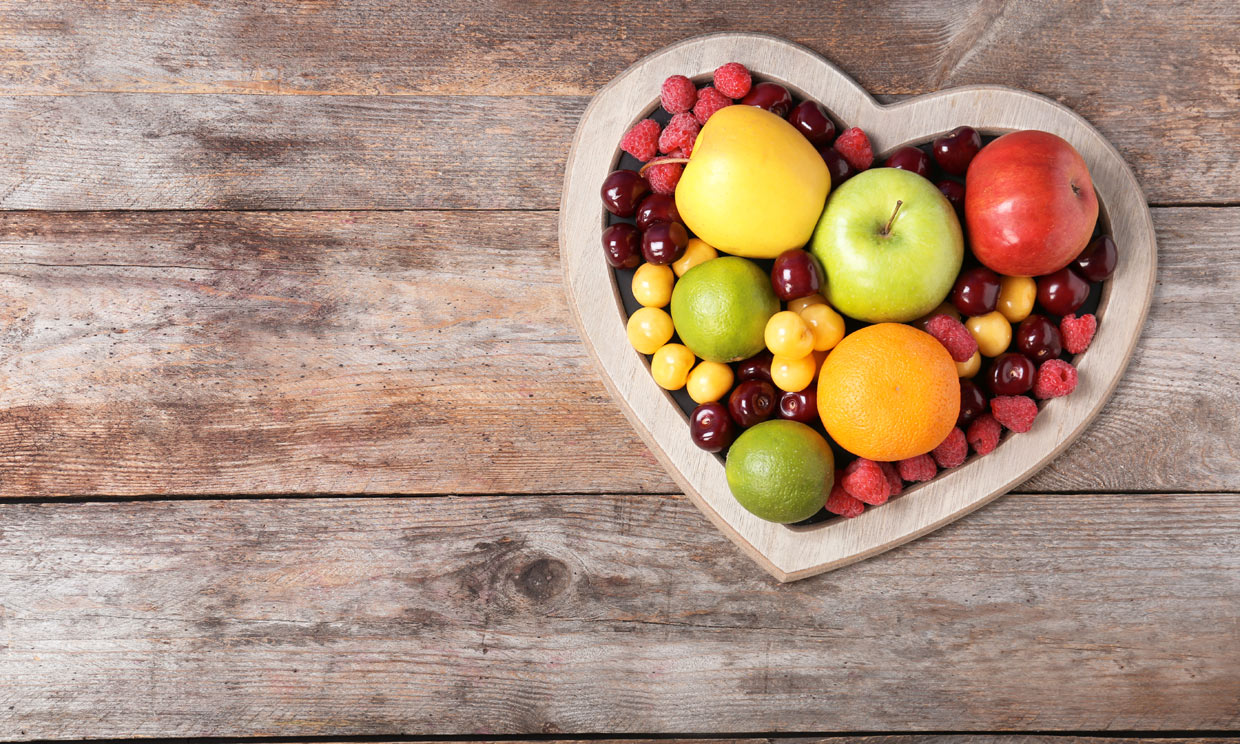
(255, 253)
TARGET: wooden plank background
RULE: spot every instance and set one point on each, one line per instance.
(254, 250)
(502, 615)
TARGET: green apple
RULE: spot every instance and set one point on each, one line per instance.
(891, 246)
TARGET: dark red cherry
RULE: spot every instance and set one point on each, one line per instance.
(955, 150)
(770, 96)
(976, 291)
(1011, 374)
(972, 402)
(1097, 262)
(794, 275)
(811, 120)
(837, 166)
(1063, 292)
(752, 402)
(910, 158)
(656, 208)
(955, 194)
(799, 406)
(623, 245)
(622, 190)
(711, 427)
(1038, 338)
(756, 367)
(664, 242)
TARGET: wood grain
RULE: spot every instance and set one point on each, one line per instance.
(495, 615)
(145, 151)
(1159, 79)
(277, 152)
(329, 352)
(432, 352)
(544, 47)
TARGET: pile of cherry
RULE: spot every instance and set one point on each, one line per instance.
(1019, 324)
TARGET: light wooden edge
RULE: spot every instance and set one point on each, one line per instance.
(790, 554)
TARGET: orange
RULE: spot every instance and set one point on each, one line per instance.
(888, 392)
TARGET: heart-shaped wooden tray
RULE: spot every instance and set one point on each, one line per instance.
(791, 553)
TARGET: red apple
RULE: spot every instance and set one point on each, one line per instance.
(1029, 203)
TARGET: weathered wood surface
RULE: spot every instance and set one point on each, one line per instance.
(279, 152)
(150, 151)
(1159, 79)
(1177, 57)
(164, 353)
(493, 615)
(432, 352)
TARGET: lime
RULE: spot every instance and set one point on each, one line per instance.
(720, 308)
(781, 471)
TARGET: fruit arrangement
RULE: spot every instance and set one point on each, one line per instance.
(836, 325)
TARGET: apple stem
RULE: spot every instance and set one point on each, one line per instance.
(660, 161)
(887, 227)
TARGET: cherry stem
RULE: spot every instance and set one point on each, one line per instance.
(660, 161)
(887, 227)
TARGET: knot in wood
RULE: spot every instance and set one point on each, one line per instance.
(543, 579)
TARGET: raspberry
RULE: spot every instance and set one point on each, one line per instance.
(1055, 378)
(854, 145)
(678, 94)
(839, 502)
(642, 141)
(1077, 332)
(679, 134)
(1016, 412)
(984, 434)
(893, 478)
(864, 479)
(951, 451)
(954, 337)
(709, 101)
(663, 177)
(916, 469)
(733, 80)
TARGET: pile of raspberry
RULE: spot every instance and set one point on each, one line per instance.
(690, 108)
(663, 149)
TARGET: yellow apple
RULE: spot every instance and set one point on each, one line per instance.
(754, 185)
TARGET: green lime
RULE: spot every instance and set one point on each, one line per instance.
(781, 471)
(720, 308)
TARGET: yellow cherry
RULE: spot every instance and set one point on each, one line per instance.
(709, 381)
(793, 375)
(1016, 296)
(992, 332)
(652, 284)
(698, 251)
(670, 366)
(649, 328)
(826, 325)
(788, 335)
